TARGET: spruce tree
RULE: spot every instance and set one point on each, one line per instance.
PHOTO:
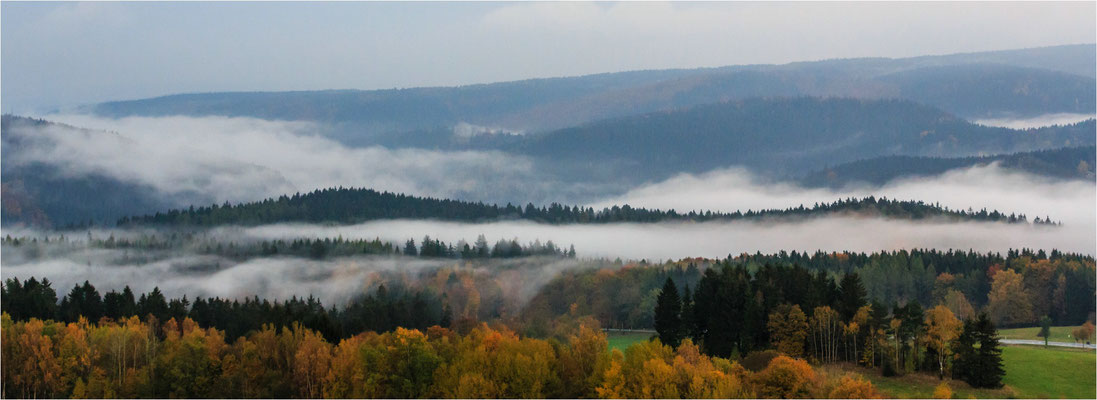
(979, 366)
(964, 350)
(687, 314)
(989, 371)
(852, 296)
(668, 318)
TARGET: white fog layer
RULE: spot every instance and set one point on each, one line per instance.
(674, 240)
(1038, 121)
(334, 282)
(248, 159)
(992, 187)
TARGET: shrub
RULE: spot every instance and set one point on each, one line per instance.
(758, 360)
(942, 391)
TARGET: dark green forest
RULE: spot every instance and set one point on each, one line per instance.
(352, 205)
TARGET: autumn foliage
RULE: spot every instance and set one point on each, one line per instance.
(134, 358)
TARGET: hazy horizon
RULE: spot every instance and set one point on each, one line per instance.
(56, 56)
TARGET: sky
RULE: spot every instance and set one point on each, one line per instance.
(58, 55)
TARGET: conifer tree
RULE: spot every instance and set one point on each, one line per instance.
(668, 318)
(852, 296)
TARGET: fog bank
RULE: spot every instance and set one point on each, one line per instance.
(991, 186)
(674, 240)
(248, 159)
(1038, 121)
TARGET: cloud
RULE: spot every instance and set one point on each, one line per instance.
(1038, 121)
(467, 130)
(675, 240)
(335, 282)
(247, 159)
(990, 186)
(785, 32)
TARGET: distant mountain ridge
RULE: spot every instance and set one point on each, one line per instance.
(785, 136)
(777, 138)
(1023, 82)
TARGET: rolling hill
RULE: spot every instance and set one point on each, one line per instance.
(785, 136)
(1024, 82)
(354, 205)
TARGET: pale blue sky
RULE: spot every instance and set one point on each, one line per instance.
(65, 54)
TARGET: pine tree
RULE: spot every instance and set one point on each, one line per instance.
(978, 366)
(989, 371)
(687, 314)
(852, 296)
(668, 318)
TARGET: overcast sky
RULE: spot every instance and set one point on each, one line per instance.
(64, 54)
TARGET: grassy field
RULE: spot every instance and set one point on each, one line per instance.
(917, 386)
(621, 340)
(1031, 372)
(1035, 371)
(1058, 333)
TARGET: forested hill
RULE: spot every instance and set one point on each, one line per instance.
(788, 135)
(1064, 163)
(347, 206)
(1024, 82)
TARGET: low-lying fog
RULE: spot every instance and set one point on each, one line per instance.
(338, 280)
(990, 186)
(674, 240)
(1038, 121)
(291, 159)
(241, 159)
(334, 281)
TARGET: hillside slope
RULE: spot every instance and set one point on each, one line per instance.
(1024, 82)
(784, 136)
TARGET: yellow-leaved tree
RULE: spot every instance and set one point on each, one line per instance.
(942, 327)
(788, 327)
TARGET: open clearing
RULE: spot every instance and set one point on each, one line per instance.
(1038, 372)
(1058, 333)
(1031, 372)
(622, 340)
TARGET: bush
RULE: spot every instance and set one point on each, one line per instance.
(942, 391)
(850, 387)
(785, 378)
(758, 360)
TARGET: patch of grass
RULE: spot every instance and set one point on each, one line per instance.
(1058, 333)
(1039, 372)
(1031, 372)
(919, 385)
(622, 340)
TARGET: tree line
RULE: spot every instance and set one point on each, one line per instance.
(1015, 289)
(352, 205)
(317, 248)
(131, 358)
(383, 310)
(735, 314)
